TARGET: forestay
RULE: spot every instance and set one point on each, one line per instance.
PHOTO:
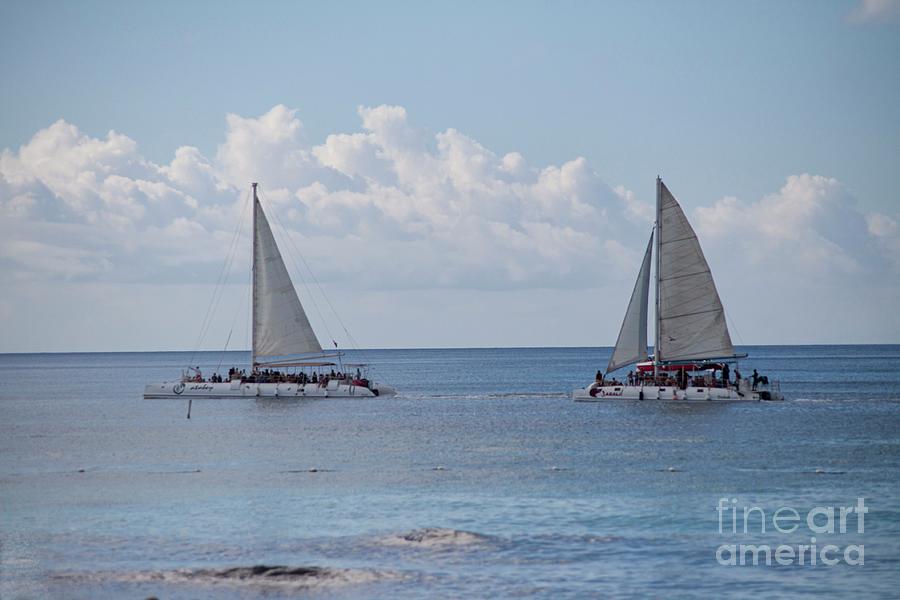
(280, 326)
(691, 319)
(631, 346)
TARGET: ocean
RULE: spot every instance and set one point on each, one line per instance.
(482, 478)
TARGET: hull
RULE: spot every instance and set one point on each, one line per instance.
(238, 389)
(599, 393)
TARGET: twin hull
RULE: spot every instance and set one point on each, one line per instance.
(596, 393)
(238, 389)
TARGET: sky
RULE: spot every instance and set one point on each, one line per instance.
(455, 174)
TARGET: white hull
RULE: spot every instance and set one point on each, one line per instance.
(598, 393)
(238, 389)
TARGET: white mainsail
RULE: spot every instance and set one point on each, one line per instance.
(280, 326)
(631, 346)
(690, 319)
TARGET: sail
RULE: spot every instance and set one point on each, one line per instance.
(690, 317)
(280, 326)
(631, 346)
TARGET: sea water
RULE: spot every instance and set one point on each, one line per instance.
(482, 478)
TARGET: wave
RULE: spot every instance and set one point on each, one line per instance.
(436, 537)
(279, 576)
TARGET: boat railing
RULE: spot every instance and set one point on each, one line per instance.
(773, 385)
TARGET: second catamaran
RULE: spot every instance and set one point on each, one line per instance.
(693, 349)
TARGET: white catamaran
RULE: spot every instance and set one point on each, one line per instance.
(693, 349)
(286, 358)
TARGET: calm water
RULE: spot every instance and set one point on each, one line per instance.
(483, 478)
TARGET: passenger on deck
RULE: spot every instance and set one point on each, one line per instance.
(599, 376)
(755, 378)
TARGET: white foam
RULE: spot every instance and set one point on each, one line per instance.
(436, 537)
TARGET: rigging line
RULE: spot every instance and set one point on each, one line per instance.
(229, 257)
(734, 326)
(219, 291)
(309, 293)
(248, 330)
(220, 295)
(231, 331)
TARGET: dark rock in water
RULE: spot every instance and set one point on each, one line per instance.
(81, 470)
(437, 537)
(309, 470)
(263, 577)
(270, 572)
(417, 536)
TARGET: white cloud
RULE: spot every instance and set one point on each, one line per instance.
(269, 149)
(812, 225)
(392, 207)
(868, 11)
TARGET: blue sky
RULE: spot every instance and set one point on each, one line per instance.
(724, 99)
(729, 97)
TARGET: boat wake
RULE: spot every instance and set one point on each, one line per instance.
(257, 576)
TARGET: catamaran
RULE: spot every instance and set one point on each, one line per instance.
(287, 359)
(692, 350)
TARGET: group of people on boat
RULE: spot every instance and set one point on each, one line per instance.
(682, 379)
(275, 376)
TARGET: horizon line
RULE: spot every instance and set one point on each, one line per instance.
(429, 348)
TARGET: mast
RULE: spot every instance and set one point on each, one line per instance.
(253, 287)
(656, 280)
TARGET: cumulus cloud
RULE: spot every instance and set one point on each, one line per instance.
(422, 209)
(391, 207)
(812, 225)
